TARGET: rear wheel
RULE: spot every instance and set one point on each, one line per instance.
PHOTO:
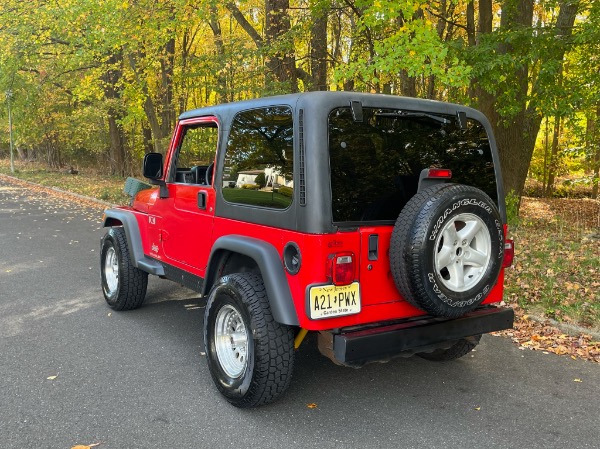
(124, 286)
(459, 349)
(250, 355)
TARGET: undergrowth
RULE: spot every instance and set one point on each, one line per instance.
(556, 272)
(85, 182)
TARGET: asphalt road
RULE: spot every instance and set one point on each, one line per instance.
(138, 379)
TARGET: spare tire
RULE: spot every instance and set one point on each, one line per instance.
(446, 249)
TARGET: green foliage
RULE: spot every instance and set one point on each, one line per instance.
(286, 191)
(399, 37)
(512, 209)
(101, 83)
(260, 180)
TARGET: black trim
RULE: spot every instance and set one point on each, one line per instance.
(357, 346)
(271, 269)
(184, 278)
(301, 157)
(292, 258)
(116, 217)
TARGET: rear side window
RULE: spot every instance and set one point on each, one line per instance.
(375, 164)
(259, 163)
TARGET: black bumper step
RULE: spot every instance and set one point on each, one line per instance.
(357, 347)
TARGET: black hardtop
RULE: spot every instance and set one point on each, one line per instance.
(316, 217)
(324, 101)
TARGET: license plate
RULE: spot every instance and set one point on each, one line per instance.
(328, 301)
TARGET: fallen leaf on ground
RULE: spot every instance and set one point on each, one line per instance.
(51, 377)
(541, 336)
(312, 405)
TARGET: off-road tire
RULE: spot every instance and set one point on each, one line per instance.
(259, 369)
(419, 241)
(459, 349)
(124, 286)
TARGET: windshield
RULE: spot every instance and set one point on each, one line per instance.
(375, 164)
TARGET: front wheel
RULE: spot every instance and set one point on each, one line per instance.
(124, 286)
(250, 355)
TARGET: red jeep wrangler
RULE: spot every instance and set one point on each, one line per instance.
(376, 221)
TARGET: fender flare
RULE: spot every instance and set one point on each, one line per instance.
(119, 217)
(270, 266)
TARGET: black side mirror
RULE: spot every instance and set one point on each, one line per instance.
(153, 170)
(153, 166)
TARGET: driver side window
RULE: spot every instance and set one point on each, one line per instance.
(195, 155)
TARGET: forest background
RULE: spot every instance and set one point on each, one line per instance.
(100, 83)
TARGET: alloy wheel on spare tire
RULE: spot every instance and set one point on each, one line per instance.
(250, 355)
(447, 248)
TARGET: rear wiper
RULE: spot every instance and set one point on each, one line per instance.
(437, 118)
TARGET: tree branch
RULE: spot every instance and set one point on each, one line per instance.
(247, 26)
(451, 22)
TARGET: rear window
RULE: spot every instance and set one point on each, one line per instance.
(375, 164)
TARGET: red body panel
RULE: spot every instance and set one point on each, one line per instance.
(176, 231)
(381, 301)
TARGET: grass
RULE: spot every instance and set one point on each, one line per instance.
(257, 198)
(88, 183)
(556, 273)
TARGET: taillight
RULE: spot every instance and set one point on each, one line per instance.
(341, 268)
(509, 253)
(509, 249)
(439, 173)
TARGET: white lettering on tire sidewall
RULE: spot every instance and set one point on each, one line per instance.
(432, 277)
(464, 202)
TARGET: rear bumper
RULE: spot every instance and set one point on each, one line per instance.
(356, 347)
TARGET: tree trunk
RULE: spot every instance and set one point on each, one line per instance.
(546, 157)
(408, 84)
(117, 142)
(516, 136)
(218, 37)
(147, 134)
(117, 153)
(594, 137)
(280, 59)
(53, 158)
(167, 112)
(471, 23)
(553, 157)
(281, 63)
(160, 132)
(318, 50)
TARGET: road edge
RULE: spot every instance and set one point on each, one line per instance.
(57, 190)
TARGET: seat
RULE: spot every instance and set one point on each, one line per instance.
(199, 174)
